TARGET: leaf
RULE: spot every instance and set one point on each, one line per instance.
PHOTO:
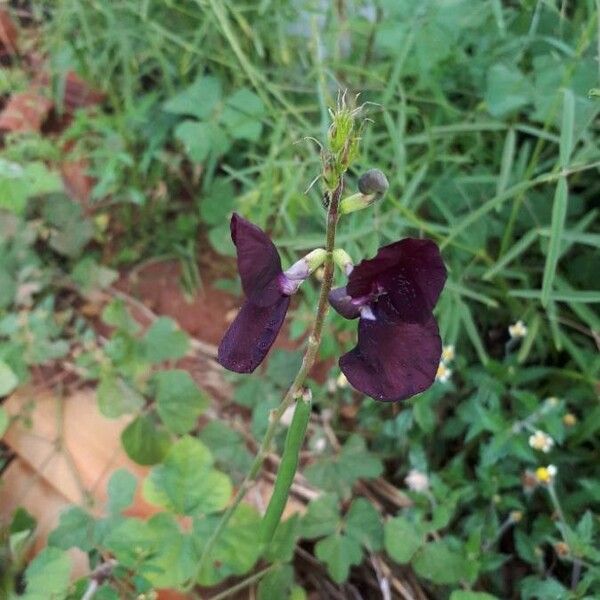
(47, 576)
(144, 442)
(116, 397)
(199, 99)
(339, 473)
(8, 379)
(228, 447)
(559, 214)
(283, 544)
(507, 90)
(402, 539)
(362, 523)
(277, 583)
(185, 483)
(75, 529)
(131, 541)
(339, 552)
(236, 551)
(175, 558)
(242, 115)
(196, 139)
(439, 563)
(566, 130)
(165, 341)
(121, 489)
(218, 202)
(321, 518)
(179, 401)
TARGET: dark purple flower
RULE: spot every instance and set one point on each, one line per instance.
(267, 290)
(399, 347)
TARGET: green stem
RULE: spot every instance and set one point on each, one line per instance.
(310, 355)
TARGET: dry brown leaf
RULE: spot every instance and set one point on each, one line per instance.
(8, 34)
(26, 111)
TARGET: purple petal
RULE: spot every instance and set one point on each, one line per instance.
(410, 271)
(251, 335)
(259, 264)
(342, 303)
(393, 359)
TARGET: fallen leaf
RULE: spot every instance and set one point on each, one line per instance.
(26, 111)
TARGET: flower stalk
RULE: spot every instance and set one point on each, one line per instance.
(308, 360)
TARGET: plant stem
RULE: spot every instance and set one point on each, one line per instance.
(310, 355)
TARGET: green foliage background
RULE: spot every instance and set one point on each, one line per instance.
(483, 123)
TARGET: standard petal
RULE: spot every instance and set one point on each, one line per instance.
(251, 335)
(393, 360)
(410, 271)
(259, 264)
(342, 303)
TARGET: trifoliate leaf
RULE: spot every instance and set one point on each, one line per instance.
(179, 401)
(199, 99)
(321, 518)
(121, 489)
(165, 341)
(402, 539)
(186, 483)
(116, 397)
(242, 115)
(339, 552)
(438, 562)
(236, 550)
(75, 528)
(363, 524)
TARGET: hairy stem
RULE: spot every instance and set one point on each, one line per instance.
(310, 355)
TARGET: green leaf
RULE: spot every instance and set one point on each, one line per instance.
(144, 442)
(132, 541)
(196, 139)
(567, 128)
(165, 341)
(339, 473)
(116, 397)
(185, 483)
(4, 421)
(47, 576)
(179, 401)
(242, 115)
(75, 528)
(199, 99)
(277, 583)
(8, 379)
(402, 539)
(439, 563)
(228, 447)
(363, 523)
(559, 215)
(236, 551)
(507, 90)
(322, 517)
(281, 547)
(339, 552)
(218, 202)
(174, 561)
(121, 490)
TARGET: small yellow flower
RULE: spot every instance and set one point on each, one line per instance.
(541, 441)
(518, 330)
(569, 419)
(516, 516)
(443, 373)
(448, 353)
(545, 474)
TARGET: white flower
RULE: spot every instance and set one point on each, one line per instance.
(518, 330)
(541, 441)
(443, 373)
(417, 481)
(552, 471)
(320, 444)
(448, 353)
(286, 417)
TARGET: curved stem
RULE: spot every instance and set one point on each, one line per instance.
(310, 356)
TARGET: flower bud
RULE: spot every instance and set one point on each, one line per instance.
(373, 181)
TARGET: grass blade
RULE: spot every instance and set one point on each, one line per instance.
(559, 213)
(566, 132)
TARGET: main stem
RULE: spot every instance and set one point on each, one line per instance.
(308, 360)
